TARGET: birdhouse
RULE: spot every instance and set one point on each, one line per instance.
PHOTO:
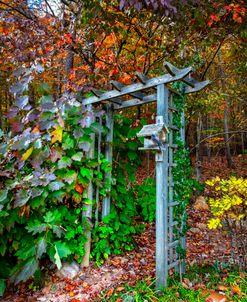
(154, 136)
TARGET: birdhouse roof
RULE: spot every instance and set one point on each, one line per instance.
(153, 129)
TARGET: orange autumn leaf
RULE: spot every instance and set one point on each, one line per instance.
(79, 188)
(110, 292)
(35, 130)
(236, 290)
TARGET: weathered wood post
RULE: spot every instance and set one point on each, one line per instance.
(183, 239)
(162, 194)
(87, 208)
(108, 155)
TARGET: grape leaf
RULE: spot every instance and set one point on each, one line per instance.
(64, 162)
(70, 176)
(21, 198)
(77, 156)
(21, 101)
(36, 227)
(57, 259)
(56, 185)
(3, 195)
(57, 134)
(27, 271)
(62, 249)
(41, 247)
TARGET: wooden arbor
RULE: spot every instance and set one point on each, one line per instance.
(146, 91)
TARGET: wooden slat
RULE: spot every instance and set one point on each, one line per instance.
(174, 70)
(142, 77)
(174, 243)
(167, 78)
(198, 86)
(173, 203)
(173, 264)
(119, 86)
(136, 102)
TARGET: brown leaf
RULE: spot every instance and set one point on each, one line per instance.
(212, 296)
(120, 289)
(222, 288)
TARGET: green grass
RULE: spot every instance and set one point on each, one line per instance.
(195, 281)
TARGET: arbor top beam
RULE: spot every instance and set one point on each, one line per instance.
(126, 90)
(137, 90)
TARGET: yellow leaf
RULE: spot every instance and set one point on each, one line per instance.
(27, 154)
(57, 134)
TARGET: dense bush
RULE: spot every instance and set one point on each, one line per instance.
(43, 181)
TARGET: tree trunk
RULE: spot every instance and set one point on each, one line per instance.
(226, 112)
(198, 149)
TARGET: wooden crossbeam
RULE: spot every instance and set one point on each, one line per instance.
(174, 70)
(142, 77)
(119, 86)
(198, 86)
(165, 79)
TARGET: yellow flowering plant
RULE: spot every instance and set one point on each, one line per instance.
(228, 205)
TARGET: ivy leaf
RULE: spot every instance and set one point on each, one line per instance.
(77, 156)
(97, 127)
(70, 176)
(27, 271)
(41, 247)
(26, 155)
(56, 185)
(62, 249)
(21, 198)
(64, 162)
(86, 173)
(57, 134)
(132, 155)
(68, 143)
(85, 146)
(57, 259)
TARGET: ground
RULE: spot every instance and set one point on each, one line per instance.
(203, 247)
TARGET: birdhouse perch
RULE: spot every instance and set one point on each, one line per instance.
(154, 136)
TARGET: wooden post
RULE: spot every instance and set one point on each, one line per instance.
(87, 208)
(98, 169)
(183, 239)
(108, 156)
(162, 194)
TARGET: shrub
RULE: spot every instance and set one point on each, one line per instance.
(228, 203)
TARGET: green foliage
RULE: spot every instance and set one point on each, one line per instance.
(115, 234)
(44, 177)
(145, 198)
